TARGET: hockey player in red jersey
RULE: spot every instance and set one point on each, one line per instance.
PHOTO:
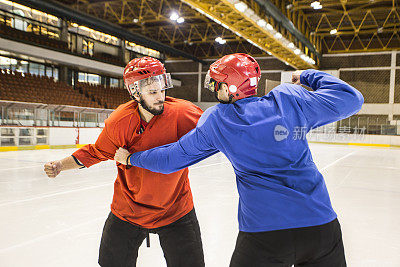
(144, 202)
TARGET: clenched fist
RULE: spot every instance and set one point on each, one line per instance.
(121, 155)
(296, 76)
(53, 168)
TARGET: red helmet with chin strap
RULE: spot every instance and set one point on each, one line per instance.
(240, 72)
(143, 68)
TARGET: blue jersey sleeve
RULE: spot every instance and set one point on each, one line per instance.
(190, 149)
(331, 100)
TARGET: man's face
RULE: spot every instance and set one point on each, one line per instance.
(152, 96)
(152, 100)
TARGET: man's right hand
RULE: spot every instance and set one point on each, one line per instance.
(296, 76)
(53, 168)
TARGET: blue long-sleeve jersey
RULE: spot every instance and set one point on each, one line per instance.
(279, 184)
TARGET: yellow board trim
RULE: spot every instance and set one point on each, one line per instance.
(362, 144)
(16, 148)
(42, 147)
(355, 144)
(62, 146)
(8, 148)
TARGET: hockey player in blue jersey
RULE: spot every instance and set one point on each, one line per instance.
(285, 214)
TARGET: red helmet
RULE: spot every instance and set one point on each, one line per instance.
(143, 68)
(240, 72)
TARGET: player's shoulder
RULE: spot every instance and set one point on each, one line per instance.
(286, 90)
(181, 105)
(209, 114)
(123, 112)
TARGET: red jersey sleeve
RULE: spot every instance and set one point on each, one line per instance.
(104, 148)
(189, 115)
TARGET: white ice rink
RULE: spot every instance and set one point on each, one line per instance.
(57, 223)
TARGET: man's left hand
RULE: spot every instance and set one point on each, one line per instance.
(121, 155)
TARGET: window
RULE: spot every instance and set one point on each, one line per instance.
(49, 71)
(89, 78)
(34, 68)
(81, 77)
(23, 66)
(93, 78)
(13, 64)
(114, 82)
(55, 74)
(5, 62)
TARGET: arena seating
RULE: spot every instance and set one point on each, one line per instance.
(24, 87)
(107, 97)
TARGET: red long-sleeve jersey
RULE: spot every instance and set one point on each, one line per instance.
(143, 197)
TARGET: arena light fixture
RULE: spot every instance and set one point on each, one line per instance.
(261, 23)
(180, 20)
(252, 16)
(241, 6)
(220, 40)
(174, 16)
(333, 31)
(316, 5)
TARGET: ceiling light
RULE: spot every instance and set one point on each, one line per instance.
(333, 31)
(241, 6)
(269, 27)
(174, 16)
(180, 20)
(316, 5)
(278, 35)
(297, 51)
(261, 23)
(220, 40)
(135, 20)
(291, 45)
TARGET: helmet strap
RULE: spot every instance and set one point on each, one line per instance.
(134, 98)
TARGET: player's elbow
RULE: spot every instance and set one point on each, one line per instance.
(352, 104)
(167, 171)
(357, 101)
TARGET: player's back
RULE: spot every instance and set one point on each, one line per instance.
(263, 136)
(264, 139)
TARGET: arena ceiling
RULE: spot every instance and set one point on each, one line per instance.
(332, 26)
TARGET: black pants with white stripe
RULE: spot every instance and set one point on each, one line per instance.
(316, 246)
